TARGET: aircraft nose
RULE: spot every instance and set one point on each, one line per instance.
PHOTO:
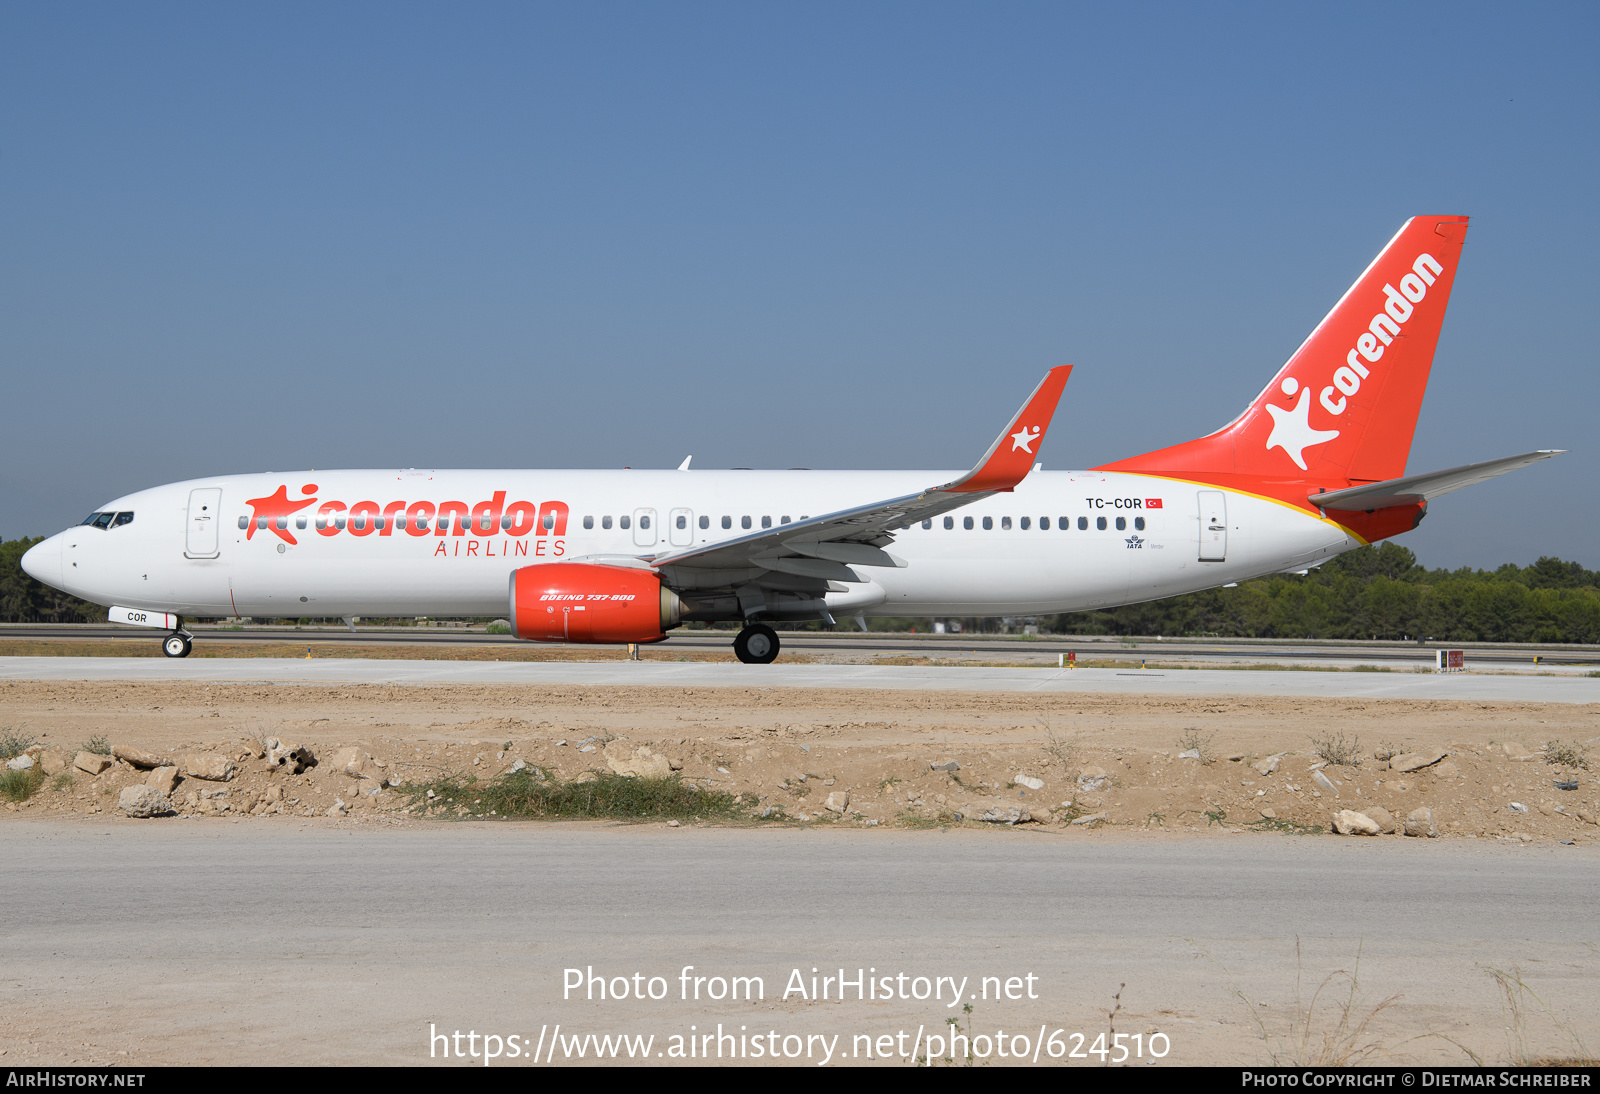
(42, 562)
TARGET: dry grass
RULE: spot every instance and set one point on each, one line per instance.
(1567, 755)
(1336, 750)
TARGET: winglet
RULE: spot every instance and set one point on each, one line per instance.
(1013, 453)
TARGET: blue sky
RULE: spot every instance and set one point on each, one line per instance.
(847, 235)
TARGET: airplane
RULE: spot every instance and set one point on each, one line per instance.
(1313, 467)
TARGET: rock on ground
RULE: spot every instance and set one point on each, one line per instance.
(143, 801)
(1382, 817)
(209, 766)
(1419, 822)
(163, 779)
(138, 757)
(1347, 822)
(1416, 761)
(91, 763)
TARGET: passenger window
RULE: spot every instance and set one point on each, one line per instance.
(283, 522)
(1138, 524)
(244, 522)
(1122, 524)
(1023, 524)
(588, 522)
(421, 525)
(338, 521)
(783, 520)
(1044, 524)
(727, 522)
(744, 522)
(624, 523)
(605, 522)
(1005, 523)
(949, 523)
(1100, 524)
(300, 521)
(1083, 523)
(988, 524)
(683, 521)
(705, 522)
(766, 522)
(966, 522)
(644, 522)
(127, 518)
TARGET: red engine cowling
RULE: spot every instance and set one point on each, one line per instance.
(579, 602)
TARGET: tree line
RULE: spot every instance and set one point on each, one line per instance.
(1372, 592)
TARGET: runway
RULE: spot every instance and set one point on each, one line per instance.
(1199, 682)
(1040, 649)
(210, 942)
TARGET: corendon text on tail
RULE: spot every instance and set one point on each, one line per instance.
(1315, 465)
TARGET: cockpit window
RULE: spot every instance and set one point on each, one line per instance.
(99, 520)
(122, 518)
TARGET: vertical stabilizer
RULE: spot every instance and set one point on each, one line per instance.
(1345, 406)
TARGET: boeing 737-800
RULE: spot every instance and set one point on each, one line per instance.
(1313, 467)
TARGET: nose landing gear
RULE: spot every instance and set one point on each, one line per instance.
(757, 644)
(177, 644)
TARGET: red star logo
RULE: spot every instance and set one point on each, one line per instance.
(272, 507)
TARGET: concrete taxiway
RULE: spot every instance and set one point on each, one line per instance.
(1201, 682)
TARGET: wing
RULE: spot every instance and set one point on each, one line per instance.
(1426, 487)
(809, 558)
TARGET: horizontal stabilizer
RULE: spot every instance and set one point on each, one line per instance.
(1423, 488)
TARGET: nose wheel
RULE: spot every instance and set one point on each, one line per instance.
(176, 645)
(757, 644)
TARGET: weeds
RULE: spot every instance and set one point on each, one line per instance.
(1279, 824)
(944, 820)
(100, 746)
(14, 742)
(1514, 994)
(1336, 750)
(1192, 741)
(1387, 750)
(1374, 668)
(1061, 747)
(19, 786)
(1314, 1039)
(1567, 755)
(533, 793)
(1216, 816)
(62, 781)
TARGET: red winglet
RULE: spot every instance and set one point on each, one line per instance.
(1014, 452)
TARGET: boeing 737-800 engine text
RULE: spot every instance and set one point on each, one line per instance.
(1313, 467)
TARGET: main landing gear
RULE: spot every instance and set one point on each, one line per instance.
(757, 644)
(177, 644)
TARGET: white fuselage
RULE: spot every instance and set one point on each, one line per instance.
(1040, 549)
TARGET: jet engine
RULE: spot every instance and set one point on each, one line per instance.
(583, 602)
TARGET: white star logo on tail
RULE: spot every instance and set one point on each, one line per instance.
(1024, 440)
(1291, 429)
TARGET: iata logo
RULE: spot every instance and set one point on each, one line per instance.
(482, 521)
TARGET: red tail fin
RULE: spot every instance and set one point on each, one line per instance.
(1345, 406)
